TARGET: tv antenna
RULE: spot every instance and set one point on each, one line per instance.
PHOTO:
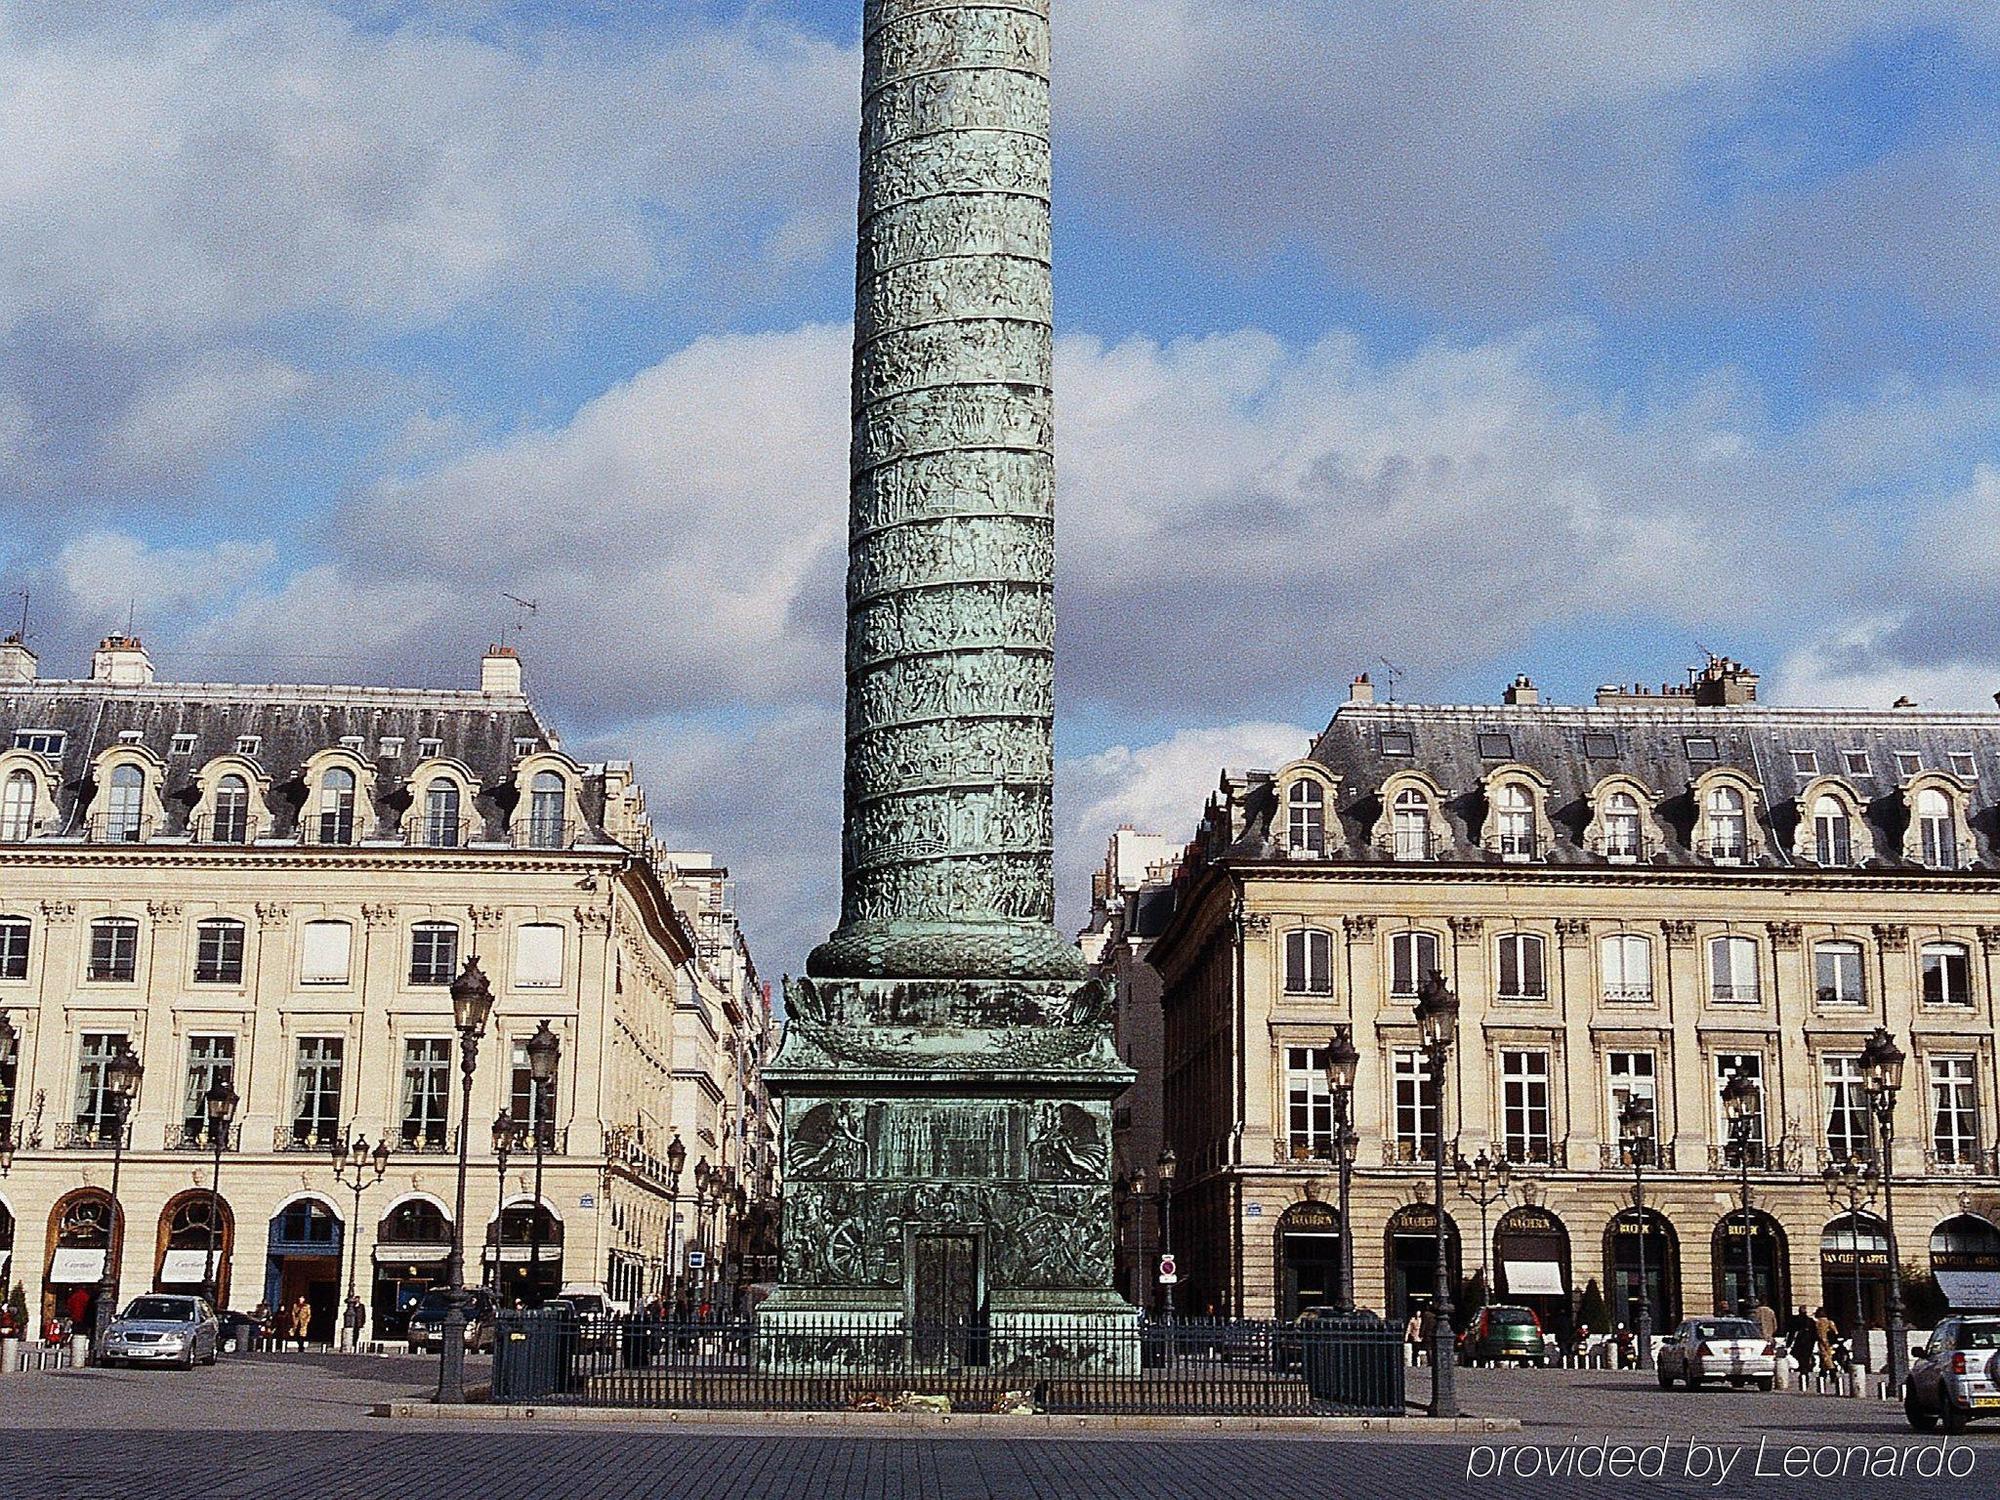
(1395, 674)
(524, 610)
(21, 634)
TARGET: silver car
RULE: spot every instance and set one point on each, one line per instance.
(1731, 1349)
(1954, 1378)
(163, 1328)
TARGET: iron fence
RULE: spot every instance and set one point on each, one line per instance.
(1035, 1363)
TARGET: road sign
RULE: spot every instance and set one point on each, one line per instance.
(1168, 1275)
(697, 1259)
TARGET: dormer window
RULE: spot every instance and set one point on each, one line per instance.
(182, 744)
(1411, 827)
(547, 805)
(353, 742)
(1728, 825)
(1621, 826)
(336, 806)
(1805, 762)
(1908, 763)
(17, 808)
(249, 744)
(1397, 742)
(1964, 765)
(524, 746)
(1306, 817)
(441, 815)
(44, 742)
(427, 749)
(1833, 832)
(1514, 806)
(231, 823)
(1700, 748)
(124, 805)
(392, 746)
(1937, 829)
(1494, 745)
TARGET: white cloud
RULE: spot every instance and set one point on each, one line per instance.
(106, 574)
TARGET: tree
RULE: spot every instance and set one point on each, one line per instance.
(17, 1307)
(1591, 1314)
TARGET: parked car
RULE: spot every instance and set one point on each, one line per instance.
(1705, 1349)
(427, 1319)
(1957, 1375)
(237, 1331)
(1502, 1333)
(163, 1328)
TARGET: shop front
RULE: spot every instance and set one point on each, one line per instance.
(1532, 1269)
(85, 1244)
(1642, 1238)
(1759, 1273)
(412, 1248)
(1411, 1257)
(1854, 1271)
(303, 1260)
(525, 1266)
(186, 1237)
(1308, 1258)
(1965, 1260)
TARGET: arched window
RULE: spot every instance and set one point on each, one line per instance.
(231, 822)
(308, 1222)
(441, 826)
(1947, 970)
(1621, 826)
(1839, 975)
(1307, 823)
(336, 806)
(1937, 829)
(1728, 825)
(415, 1221)
(1523, 967)
(1833, 832)
(1309, 961)
(546, 798)
(1411, 825)
(1516, 806)
(218, 951)
(1627, 962)
(17, 808)
(1732, 970)
(124, 804)
(1412, 955)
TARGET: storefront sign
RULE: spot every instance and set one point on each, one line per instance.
(1310, 1216)
(1418, 1218)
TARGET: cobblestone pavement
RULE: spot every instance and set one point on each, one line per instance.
(297, 1427)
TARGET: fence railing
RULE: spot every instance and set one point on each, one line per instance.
(1032, 1363)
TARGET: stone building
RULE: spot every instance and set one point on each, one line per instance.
(1645, 896)
(274, 886)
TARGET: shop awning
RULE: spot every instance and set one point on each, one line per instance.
(1534, 1278)
(187, 1267)
(411, 1255)
(76, 1267)
(1971, 1290)
(512, 1253)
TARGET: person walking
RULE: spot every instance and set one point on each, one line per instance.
(1766, 1318)
(1413, 1335)
(356, 1320)
(1801, 1338)
(1825, 1330)
(302, 1315)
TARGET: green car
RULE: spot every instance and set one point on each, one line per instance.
(1500, 1333)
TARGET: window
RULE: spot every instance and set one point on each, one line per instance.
(1732, 970)
(1838, 975)
(1306, 818)
(1954, 1111)
(426, 1092)
(249, 744)
(124, 805)
(538, 956)
(114, 949)
(1524, 1105)
(131, 736)
(181, 744)
(323, 952)
(1699, 748)
(1631, 1076)
(1937, 829)
(1728, 824)
(336, 806)
(1522, 973)
(211, 1060)
(1495, 746)
(1964, 765)
(547, 798)
(1415, 1105)
(1621, 826)
(1908, 763)
(1805, 762)
(353, 741)
(524, 746)
(1833, 832)
(1748, 1065)
(1600, 746)
(433, 953)
(96, 1114)
(392, 746)
(232, 811)
(428, 749)
(1308, 1103)
(47, 743)
(17, 808)
(1947, 971)
(1627, 962)
(1847, 1135)
(1856, 762)
(316, 1091)
(1308, 962)
(1412, 825)
(524, 1099)
(1516, 807)
(441, 828)
(13, 948)
(1396, 742)
(1412, 955)
(218, 951)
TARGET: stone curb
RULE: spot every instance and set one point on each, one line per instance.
(934, 1422)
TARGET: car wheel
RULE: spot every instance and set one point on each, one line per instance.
(1919, 1419)
(1696, 1382)
(1666, 1381)
(1951, 1417)
(1766, 1382)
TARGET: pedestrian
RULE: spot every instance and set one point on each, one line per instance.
(302, 1314)
(357, 1319)
(260, 1325)
(1802, 1338)
(1825, 1330)
(1624, 1347)
(1427, 1331)
(77, 1307)
(1766, 1318)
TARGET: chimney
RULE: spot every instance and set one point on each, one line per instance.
(17, 662)
(1723, 683)
(1361, 690)
(500, 672)
(1522, 692)
(121, 661)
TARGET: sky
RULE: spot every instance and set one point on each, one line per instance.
(1443, 342)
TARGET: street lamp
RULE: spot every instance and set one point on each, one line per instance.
(677, 1156)
(8, 1038)
(122, 1074)
(220, 1102)
(1635, 1129)
(1742, 1106)
(504, 1134)
(351, 1161)
(1882, 1068)
(702, 1173)
(1485, 1182)
(1167, 1165)
(1342, 1063)
(544, 1058)
(1850, 1184)
(471, 1004)
(1437, 1027)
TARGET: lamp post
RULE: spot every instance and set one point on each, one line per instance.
(6, 1154)
(8, 1038)
(471, 1004)
(1850, 1185)
(1742, 1104)
(121, 1084)
(1635, 1128)
(1166, 1167)
(1342, 1062)
(676, 1159)
(1485, 1182)
(505, 1132)
(351, 1161)
(702, 1173)
(1437, 1027)
(1882, 1067)
(220, 1102)
(544, 1059)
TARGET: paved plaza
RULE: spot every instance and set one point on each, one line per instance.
(300, 1428)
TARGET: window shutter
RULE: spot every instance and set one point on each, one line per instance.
(1531, 965)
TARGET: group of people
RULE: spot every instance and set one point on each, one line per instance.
(282, 1324)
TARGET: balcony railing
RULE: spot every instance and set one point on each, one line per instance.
(1538, 1153)
(226, 830)
(20, 830)
(1414, 846)
(1723, 993)
(430, 833)
(1617, 1156)
(1972, 1161)
(1624, 851)
(1765, 1156)
(116, 828)
(543, 833)
(423, 1142)
(1728, 851)
(193, 1136)
(306, 1135)
(1516, 847)
(1626, 994)
(1408, 1153)
(85, 1135)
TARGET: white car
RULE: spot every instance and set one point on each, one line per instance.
(1731, 1349)
(163, 1328)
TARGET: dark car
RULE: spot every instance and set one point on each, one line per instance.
(427, 1319)
(239, 1331)
(1501, 1333)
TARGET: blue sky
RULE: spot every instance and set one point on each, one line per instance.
(1478, 339)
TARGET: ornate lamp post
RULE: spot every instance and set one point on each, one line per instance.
(8, 1037)
(702, 1173)
(1850, 1185)
(1635, 1129)
(505, 1134)
(220, 1104)
(121, 1083)
(351, 1163)
(677, 1155)
(1882, 1067)
(544, 1058)
(6, 1154)
(1342, 1062)
(1485, 1182)
(1437, 1027)
(471, 1004)
(1742, 1104)
(1166, 1167)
